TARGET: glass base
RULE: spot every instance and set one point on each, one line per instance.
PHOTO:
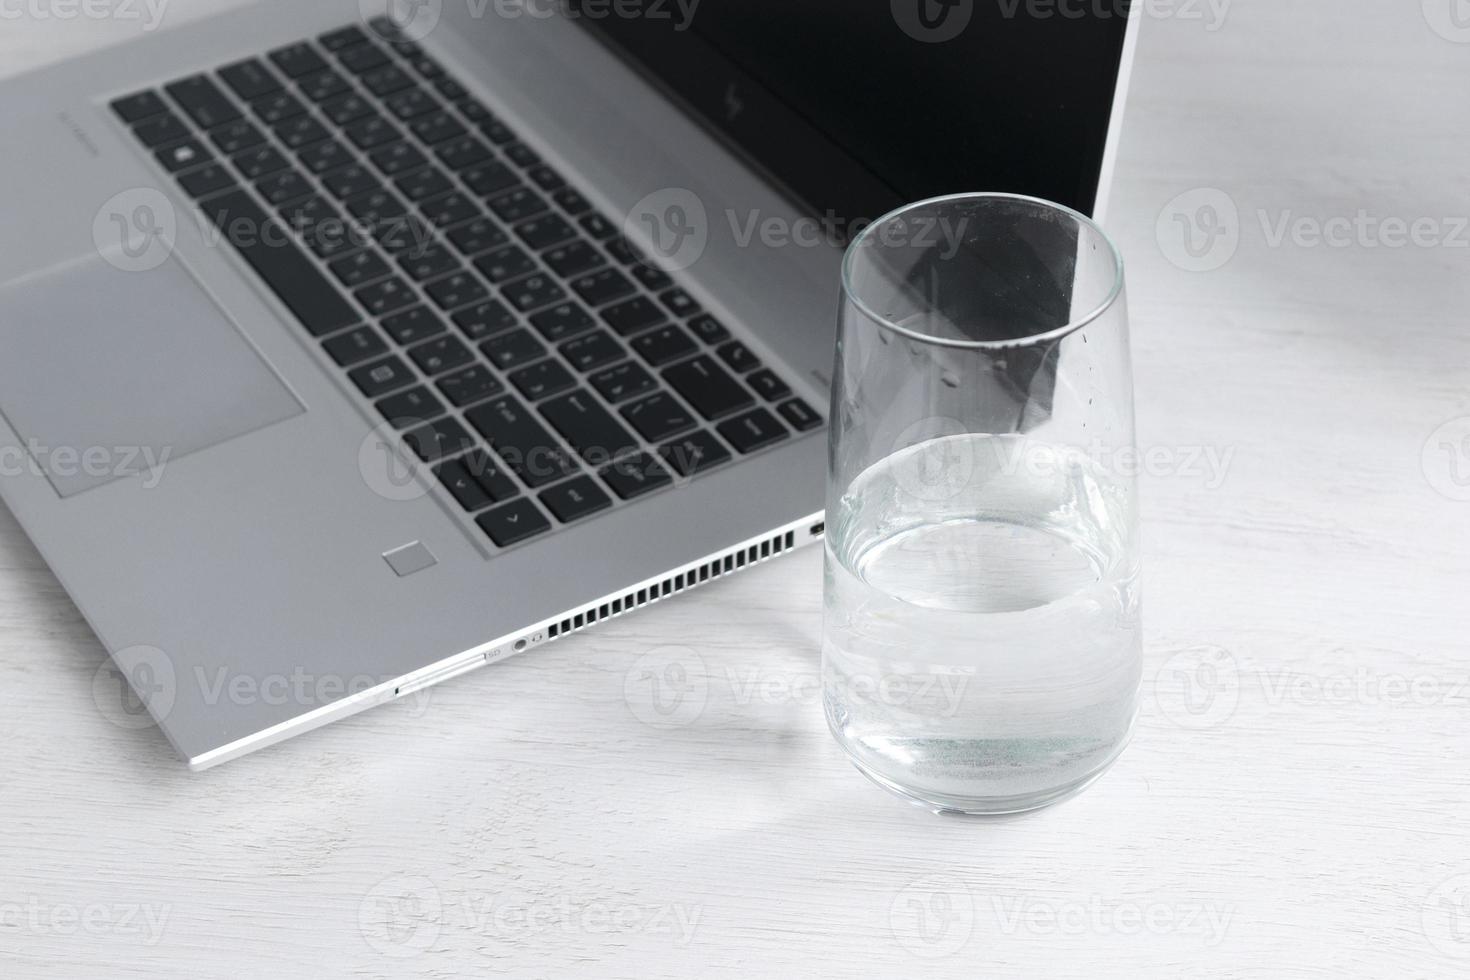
(994, 806)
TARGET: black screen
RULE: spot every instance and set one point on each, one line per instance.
(857, 106)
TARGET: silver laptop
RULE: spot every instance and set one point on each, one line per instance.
(345, 350)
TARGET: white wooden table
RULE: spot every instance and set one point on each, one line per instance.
(1294, 801)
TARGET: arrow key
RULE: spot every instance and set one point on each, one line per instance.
(513, 523)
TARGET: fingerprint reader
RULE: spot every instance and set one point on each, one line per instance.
(410, 558)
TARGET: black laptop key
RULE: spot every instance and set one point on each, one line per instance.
(597, 226)
(405, 233)
(545, 231)
(505, 264)
(182, 156)
(398, 158)
(385, 296)
(572, 259)
(424, 184)
(450, 89)
(484, 319)
(652, 277)
(461, 152)
(233, 137)
(708, 387)
(457, 290)
(694, 453)
(158, 130)
(512, 349)
(203, 102)
(343, 37)
(799, 415)
(663, 345)
(441, 354)
(355, 346)
(708, 329)
(768, 385)
(371, 131)
(575, 499)
(283, 266)
(623, 381)
(634, 475)
(491, 475)
(347, 109)
(386, 80)
(753, 430)
(300, 132)
(679, 303)
(436, 127)
(465, 489)
(449, 209)
(477, 236)
(602, 287)
(362, 58)
(533, 292)
(360, 269)
(411, 103)
(260, 161)
(440, 438)
(469, 385)
(571, 201)
(350, 181)
(561, 321)
(632, 315)
(283, 186)
(659, 417)
(517, 205)
(381, 377)
(298, 59)
(525, 445)
(323, 85)
(542, 379)
(131, 108)
(322, 228)
(426, 263)
(249, 79)
(324, 156)
(545, 178)
(739, 357)
(410, 409)
(206, 180)
(277, 108)
(488, 177)
(376, 208)
(513, 523)
(592, 351)
(413, 325)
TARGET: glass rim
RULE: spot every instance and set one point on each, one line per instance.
(1056, 333)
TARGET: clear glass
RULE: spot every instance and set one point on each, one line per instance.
(981, 647)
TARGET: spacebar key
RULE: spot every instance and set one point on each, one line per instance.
(264, 243)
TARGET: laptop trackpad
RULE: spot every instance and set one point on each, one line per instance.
(107, 373)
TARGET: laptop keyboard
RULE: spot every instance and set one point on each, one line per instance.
(487, 311)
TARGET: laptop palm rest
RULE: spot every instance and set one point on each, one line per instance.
(109, 374)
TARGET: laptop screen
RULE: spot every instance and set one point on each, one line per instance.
(856, 106)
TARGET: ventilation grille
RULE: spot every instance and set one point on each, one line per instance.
(734, 561)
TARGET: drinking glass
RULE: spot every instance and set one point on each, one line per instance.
(981, 647)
